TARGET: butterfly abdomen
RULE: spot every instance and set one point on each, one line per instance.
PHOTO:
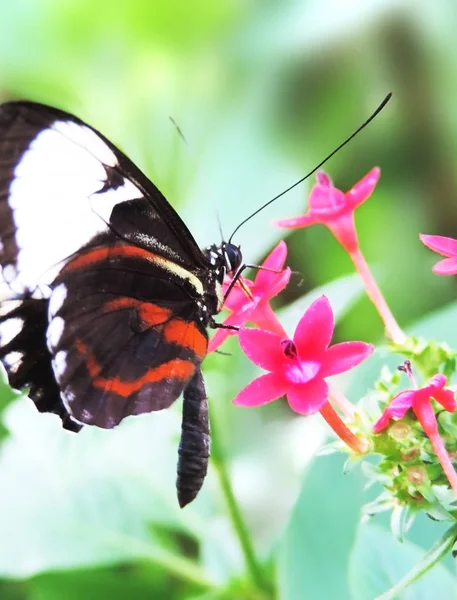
(25, 355)
(195, 441)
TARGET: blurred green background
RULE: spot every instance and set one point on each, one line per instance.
(262, 90)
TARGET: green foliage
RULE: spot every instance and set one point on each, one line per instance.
(263, 91)
(378, 561)
(310, 549)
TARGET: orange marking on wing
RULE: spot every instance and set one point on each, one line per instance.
(178, 331)
(106, 252)
(186, 334)
(92, 366)
(152, 314)
(172, 369)
(149, 313)
(181, 332)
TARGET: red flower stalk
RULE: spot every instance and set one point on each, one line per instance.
(446, 247)
(298, 367)
(419, 401)
(335, 209)
(271, 279)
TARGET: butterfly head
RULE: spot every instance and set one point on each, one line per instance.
(232, 256)
(227, 258)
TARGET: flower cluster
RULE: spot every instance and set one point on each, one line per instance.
(413, 430)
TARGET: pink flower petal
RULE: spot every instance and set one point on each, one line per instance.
(262, 390)
(345, 356)
(438, 243)
(381, 423)
(448, 266)
(278, 281)
(314, 330)
(218, 339)
(323, 179)
(264, 317)
(397, 409)
(326, 201)
(446, 398)
(363, 189)
(425, 414)
(275, 260)
(296, 222)
(262, 348)
(438, 380)
(308, 398)
(237, 299)
(236, 319)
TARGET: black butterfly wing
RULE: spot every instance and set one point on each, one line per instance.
(25, 355)
(109, 284)
(61, 184)
(65, 190)
(123, 334)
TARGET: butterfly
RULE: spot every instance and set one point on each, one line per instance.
(106, 295)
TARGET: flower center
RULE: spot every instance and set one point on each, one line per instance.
(298, 371)
(289, 349)
(328, 201)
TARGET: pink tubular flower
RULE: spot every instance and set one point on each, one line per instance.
(334, 208)
(298, 368)
(270, 280)
(445, 246)
(419, 401)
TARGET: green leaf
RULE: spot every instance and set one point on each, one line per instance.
(123, 583)
(436, 325)
(89, 499)
(379, 561)
(314, 553)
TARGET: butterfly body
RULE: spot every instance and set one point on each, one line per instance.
(111, 294)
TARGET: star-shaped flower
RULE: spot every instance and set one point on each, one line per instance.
(445, 246)
(271, 279)
(334, 208)
(298, 367)
(419, 401)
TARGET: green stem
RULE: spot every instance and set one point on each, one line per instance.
(433, 556)
(218, 460)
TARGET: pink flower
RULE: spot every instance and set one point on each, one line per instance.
(445, 246)
(419, 402)
(257, 309)
(334, 208)
(298, 368)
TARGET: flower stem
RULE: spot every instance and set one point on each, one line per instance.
(218, 460)
(393, 331)
(438, 551)
(340, 401)
(445, 461)
(360, 446)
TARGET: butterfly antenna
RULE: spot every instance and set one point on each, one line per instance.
(346, 141)
(198, 170)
